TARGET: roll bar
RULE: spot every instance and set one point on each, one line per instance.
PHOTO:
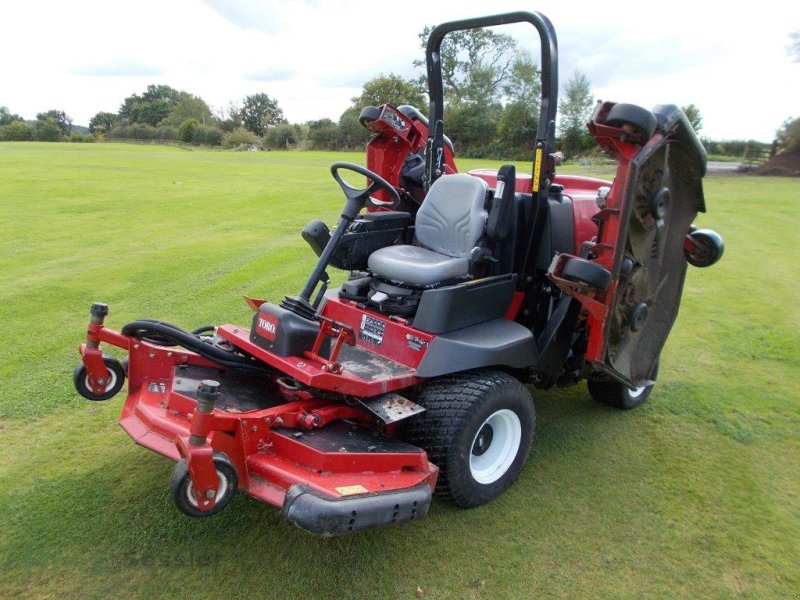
(545, 132)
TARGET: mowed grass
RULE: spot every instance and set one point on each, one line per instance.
(695, 494)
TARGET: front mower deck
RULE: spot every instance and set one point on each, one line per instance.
(284, 444)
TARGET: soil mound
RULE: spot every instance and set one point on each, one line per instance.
(786, 165)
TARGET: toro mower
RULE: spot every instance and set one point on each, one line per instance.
(349, 408)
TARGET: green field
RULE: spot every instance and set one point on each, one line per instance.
(694, 495)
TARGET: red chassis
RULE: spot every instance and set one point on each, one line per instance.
(273, 448)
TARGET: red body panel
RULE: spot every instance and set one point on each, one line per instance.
(396, 137)
(267, 462)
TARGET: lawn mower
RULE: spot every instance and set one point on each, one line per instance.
(348, 408)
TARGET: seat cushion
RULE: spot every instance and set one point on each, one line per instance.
(452, 218)
(416, 266)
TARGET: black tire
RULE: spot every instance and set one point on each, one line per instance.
(368, 115)
(182, 491)
(586, 272)
(478, 429)
(709, 248)
(617, 395)
(80, 380)
(639, 122)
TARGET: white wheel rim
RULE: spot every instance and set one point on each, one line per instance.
(112, 381)
(637, 392)
(222, 484)
(493, 460)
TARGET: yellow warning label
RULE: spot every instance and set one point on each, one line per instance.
(537, 169)
(349, 490)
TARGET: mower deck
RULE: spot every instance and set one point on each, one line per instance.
(339, 478)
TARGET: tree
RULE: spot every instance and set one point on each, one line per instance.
(6, 117)
(389, 88)
(152, 107)
(59, 117)
(48, 130)
(788, 137)
(102, 122)
(517, 126)
(694, 116)
(475, 63)
(473, 126)
(259, 112)
(575, 112)
(188, 106)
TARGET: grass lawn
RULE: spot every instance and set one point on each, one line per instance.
(695, 494)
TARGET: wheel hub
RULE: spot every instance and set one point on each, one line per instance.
(483, 441)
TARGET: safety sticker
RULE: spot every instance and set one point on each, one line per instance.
(349, 490)
(372, 330)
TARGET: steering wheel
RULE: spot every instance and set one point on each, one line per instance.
(356, 198)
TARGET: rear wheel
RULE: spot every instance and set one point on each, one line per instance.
(478, 429)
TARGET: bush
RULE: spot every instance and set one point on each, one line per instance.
(167, 132)
(323, 134)
(16, 131)
(283, 135)
(48, 131)
(186, 130)
(211, 136)
(142, 131)
(76, 137)
(118, 132)
(239, 137)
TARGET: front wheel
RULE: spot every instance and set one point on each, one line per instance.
(182, 488)
(478, 429)
(116, 378)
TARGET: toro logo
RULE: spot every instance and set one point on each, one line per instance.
(267, 326)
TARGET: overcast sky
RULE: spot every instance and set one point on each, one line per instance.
(85, 56)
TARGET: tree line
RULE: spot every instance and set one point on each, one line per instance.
(492, 93)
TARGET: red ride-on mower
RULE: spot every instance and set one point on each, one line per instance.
(348, 408)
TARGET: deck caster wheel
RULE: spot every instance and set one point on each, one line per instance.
(182, 490)
(83, 384)
(478, 429)
(703, 247)
(587, 273)
(639, 123)
(617, 395)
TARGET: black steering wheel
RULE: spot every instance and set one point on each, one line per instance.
(356, 198)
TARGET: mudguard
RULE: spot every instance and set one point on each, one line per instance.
(643, 223)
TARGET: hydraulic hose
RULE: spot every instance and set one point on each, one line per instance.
(165, 334)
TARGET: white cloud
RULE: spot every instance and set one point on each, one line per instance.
(85, 56)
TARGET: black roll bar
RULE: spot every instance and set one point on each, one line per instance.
(545, 132)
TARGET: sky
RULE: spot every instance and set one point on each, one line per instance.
(313, 56)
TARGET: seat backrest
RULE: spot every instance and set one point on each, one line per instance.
(452, 218)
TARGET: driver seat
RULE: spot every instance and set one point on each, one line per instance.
(448, 225)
